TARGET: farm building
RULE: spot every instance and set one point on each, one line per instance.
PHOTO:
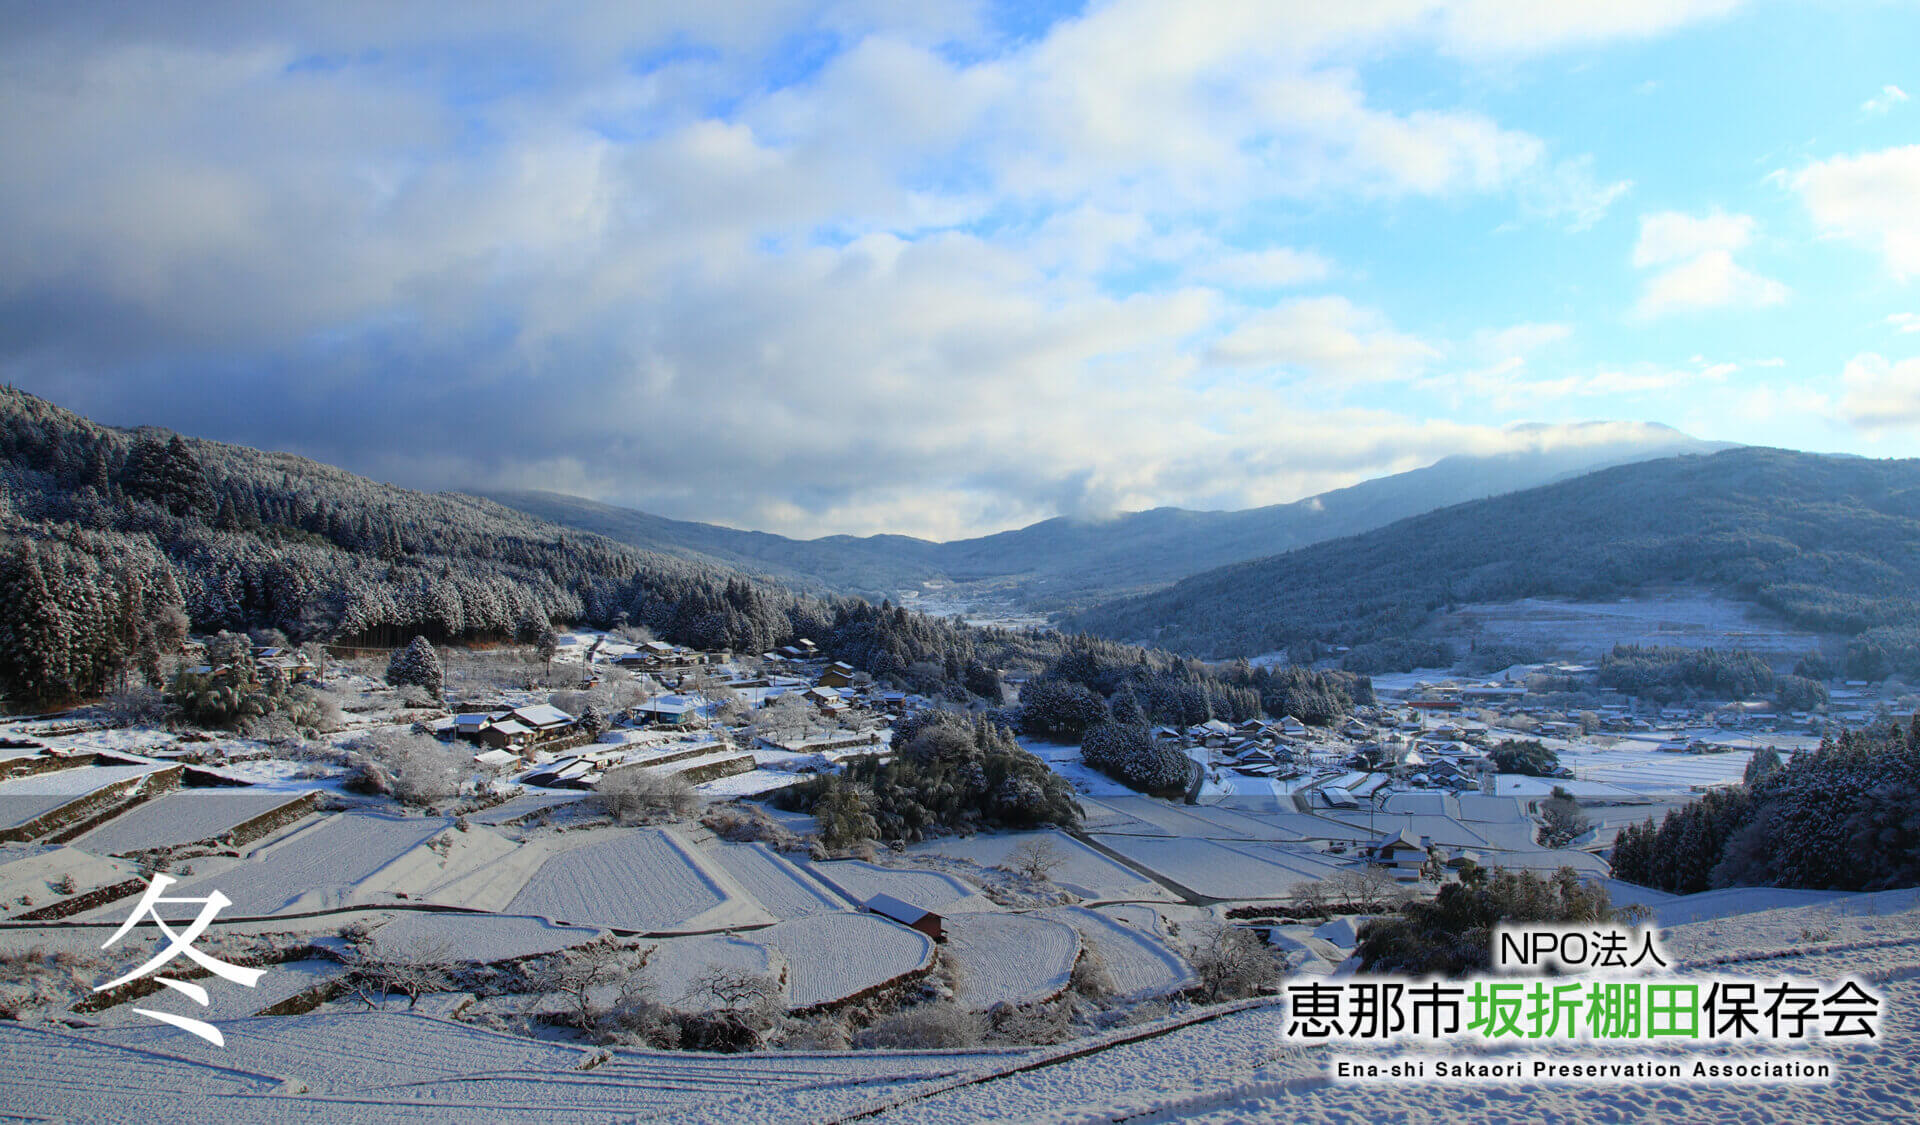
(908, 915)
(837, 675)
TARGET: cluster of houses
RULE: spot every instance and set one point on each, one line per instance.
(509, 734)
(274, 666)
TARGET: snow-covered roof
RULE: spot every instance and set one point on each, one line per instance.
(891, 907)
(542, 715)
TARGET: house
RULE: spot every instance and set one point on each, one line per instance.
(470, 724)
(908, 915)
(1292, 727)
(837, 675)
(668, 710)
(544, 720)
(1401, 854)
(505, 734)
(496, 759)
(826, 699)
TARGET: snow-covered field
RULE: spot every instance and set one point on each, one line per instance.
(1140, 963)
(1225, 871)
(1684, 617)
(1010, 958)
(674, 966)
(775, 882)
(317, 867)
(640, 880)
(483, 938)
(928, 890)
(184, 816)
(1082, 870)
(25, 798)
(833, 956)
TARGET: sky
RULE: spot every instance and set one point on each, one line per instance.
(944, 268)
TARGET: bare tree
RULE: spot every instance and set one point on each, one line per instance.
(639, 795)
(744, 1006)
(580, 974)
(421, 966)
(1367, 889)
(1037, 858)
(1233, 961)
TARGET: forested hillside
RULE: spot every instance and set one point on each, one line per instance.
(1067, 563)
(113, 544)
(1831, 543)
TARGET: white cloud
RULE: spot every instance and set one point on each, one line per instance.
(868, 296)
(1510, 386)
(1705, 276)
(1869, 199)
(1904, 322)
(1527, 26)
(1884, 101)
(1669, 236)
(1329, 338)
(1711, 281)
(1570, 191)
(1279, 266)
(1878, 394)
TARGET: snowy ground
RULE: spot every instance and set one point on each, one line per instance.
(1081, 870)
(832, 956)
(859, 881)
(1010, 958)
(641, 880)
(777, 883)
(1140, 962)
(182, 817)
(1683, 617)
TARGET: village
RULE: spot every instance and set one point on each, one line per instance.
(607, 808)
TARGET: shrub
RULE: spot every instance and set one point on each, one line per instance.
(638, 795)
(952, 774)
(941, 1025)
(416, 769)
(1561, 819)
(1452, 934)
(1233, 962)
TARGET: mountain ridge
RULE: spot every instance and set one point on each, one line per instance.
(1068, 562)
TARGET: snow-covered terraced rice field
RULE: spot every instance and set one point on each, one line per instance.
(1010, 958)
(833, 956)
(350, 1052)
(1197, 820)
(315, 868)
(54, 1073)
(1247, 870)
(777, 884)
(928, 890)
(676, 964)
(1638, 768)
(1082, 870)
(27, 798)
(1140, 963)
(226, 1000)
(640, 880)
(526, 804)
(185, 816)
(484, 938)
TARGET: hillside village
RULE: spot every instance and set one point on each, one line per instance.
(488, 904)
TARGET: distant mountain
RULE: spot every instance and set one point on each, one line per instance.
(1831, 543)
(1064, 563)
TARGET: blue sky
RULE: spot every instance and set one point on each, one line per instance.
(945, 268)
